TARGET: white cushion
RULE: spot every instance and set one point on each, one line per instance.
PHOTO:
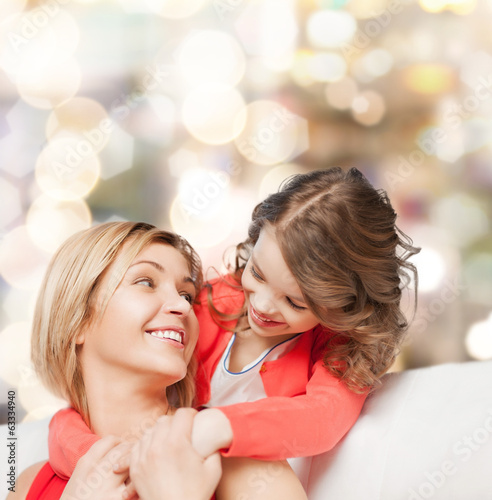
(426, 434)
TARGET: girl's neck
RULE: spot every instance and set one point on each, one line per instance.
(248, 346)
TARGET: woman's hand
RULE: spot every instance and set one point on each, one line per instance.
(165, 466)
(211, 432)
(93, 476)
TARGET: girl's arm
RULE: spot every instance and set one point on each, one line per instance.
(276, 428)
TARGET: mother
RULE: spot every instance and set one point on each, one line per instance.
(114, 333)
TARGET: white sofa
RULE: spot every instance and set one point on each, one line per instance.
(425, 434)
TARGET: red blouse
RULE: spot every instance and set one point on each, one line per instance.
(46, 485)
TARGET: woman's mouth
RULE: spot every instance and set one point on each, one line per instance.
(176, 337)
(261, 320)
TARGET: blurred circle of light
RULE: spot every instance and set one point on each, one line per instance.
(84, 116)
(52, 87)
(50, 222)
(327, 67)
(364, 9)
(478, 340)
(270, 134)
(462, 217)
(368, 108)
(203, 193)
(15, 352)
(300, 69)
(377, 62)
(68, 167)
(174, 9)
(9, 7)
(433, 5)
(453, 148)
(18, 304)
(341, 94)
(272, 180)
(37, 400)
(431, 268)
(56, 36)
(428, 78)
(462, 7)
(22, 263)
(11, 204)
(268, 28)
(329, 28)
(19, 57)
(214, 114)
(211, 56)
(203, 230)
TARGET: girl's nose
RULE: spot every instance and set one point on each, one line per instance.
(263, 303)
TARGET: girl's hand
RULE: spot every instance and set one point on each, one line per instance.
(93, 476)
(165, 466)
(211, 432)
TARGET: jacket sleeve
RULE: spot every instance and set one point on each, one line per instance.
(276, 428)
(69, 439)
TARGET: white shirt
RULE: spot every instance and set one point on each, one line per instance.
(228, 388)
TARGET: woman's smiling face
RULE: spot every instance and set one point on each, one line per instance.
(149, 325)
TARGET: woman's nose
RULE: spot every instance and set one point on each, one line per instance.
(177, 304)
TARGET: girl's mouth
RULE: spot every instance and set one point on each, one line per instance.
(262, 321)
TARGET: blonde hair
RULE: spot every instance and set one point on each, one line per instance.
(339, 238)
(67, 299)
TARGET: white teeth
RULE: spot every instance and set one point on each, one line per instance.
(168, 334)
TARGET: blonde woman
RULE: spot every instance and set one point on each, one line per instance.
(114, 333)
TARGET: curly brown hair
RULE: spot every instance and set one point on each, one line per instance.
(338, 236)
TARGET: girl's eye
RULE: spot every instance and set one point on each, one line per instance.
(295, 306)
(255, 274)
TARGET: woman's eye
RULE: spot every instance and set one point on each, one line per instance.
(146, 282)
(188, 297)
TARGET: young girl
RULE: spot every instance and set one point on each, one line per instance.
(293, 340)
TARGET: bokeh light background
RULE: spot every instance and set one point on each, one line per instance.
(185, 113)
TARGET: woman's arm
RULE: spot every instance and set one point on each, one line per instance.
(248, 479)
(24, 481)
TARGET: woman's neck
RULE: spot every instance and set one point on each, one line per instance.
(124, 406)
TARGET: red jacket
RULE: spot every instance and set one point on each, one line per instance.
(307, 410)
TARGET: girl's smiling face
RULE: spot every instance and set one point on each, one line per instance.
(276, 306)
(149, 325)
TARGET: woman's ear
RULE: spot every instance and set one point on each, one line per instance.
(80, 338)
